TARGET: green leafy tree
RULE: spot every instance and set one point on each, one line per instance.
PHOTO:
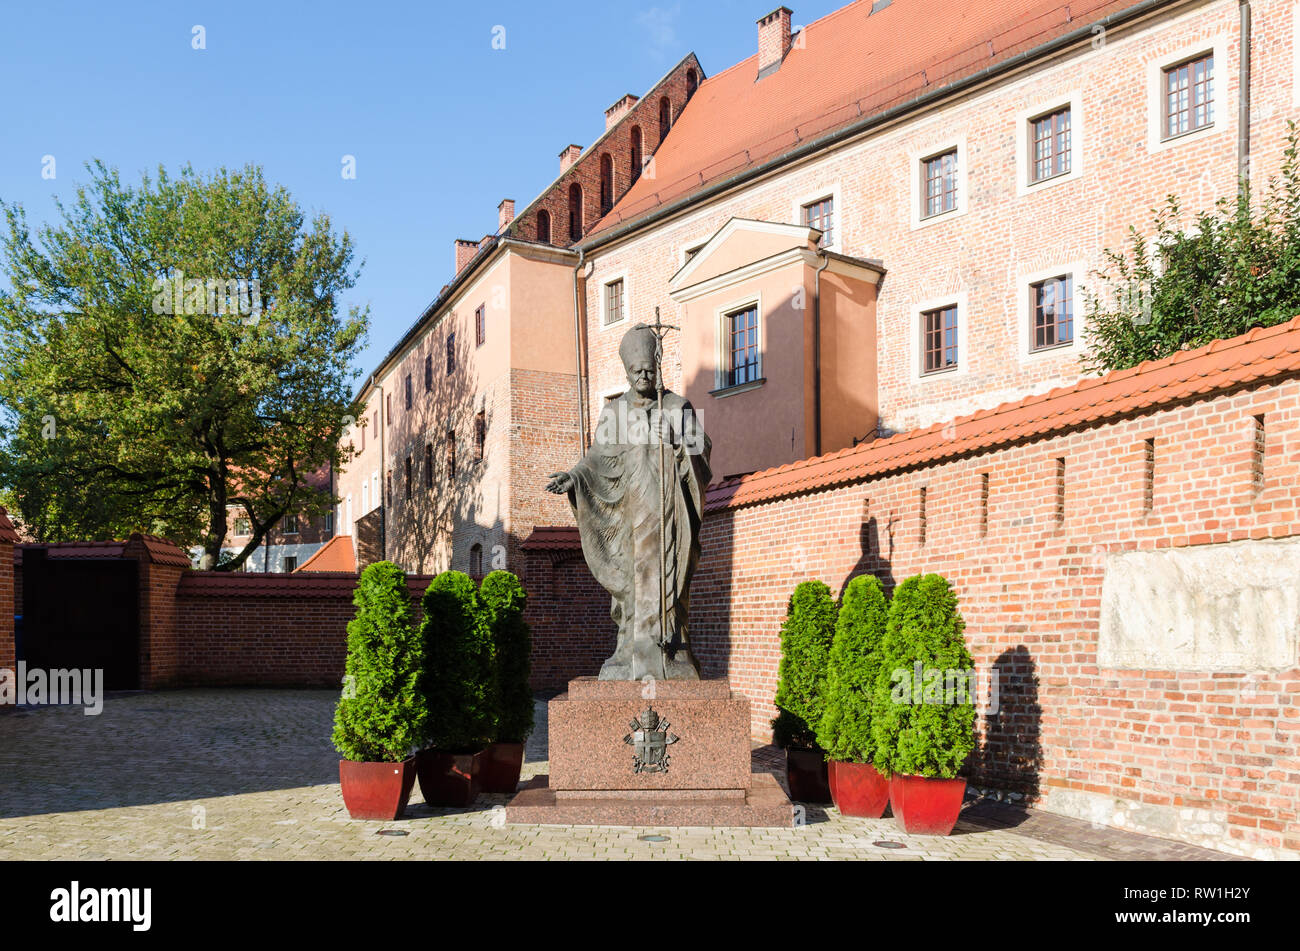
(851, 675)
(503, 599)
(932, 737)
(381, 715)
(173, 349)
(1216, 274)
(806, 639)
(460, 674)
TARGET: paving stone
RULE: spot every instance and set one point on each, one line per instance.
(255, 770)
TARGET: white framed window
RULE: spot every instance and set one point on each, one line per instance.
(614, 305)
(365, 497)
(939, 182)
(348, 521)
(1049, 143)
(822, 209)
(1186, 94)
(689, 250)
(938, 333)
(374, 489)
(739, 362)
(1049, 309)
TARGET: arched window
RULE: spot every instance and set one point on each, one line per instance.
(691, 83)
(635, 171)
(665, 118)
(606, 183)
(476, 560)
(575, 212)
(544, 226)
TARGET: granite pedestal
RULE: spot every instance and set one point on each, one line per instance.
(694, 770)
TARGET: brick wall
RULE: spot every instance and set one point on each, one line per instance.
(266, 630)
(8, 657)
(568, 612)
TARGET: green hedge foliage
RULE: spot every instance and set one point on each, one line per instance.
(854, 667)
(503, 600)
(382, 715)
(806, 638)
(460, 684)
(927, 738)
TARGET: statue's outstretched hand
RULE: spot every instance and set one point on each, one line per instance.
(561, 482)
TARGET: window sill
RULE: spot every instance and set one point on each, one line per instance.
(738, 388)
(933, 374)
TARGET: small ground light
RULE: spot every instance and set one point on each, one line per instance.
(652, 838)
(392, 832)
(886, 844)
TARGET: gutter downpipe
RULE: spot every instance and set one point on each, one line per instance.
(817, 354)
(1243, 101)
(577, 356)
(383, 476)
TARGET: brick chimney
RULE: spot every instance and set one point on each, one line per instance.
(619, 110)
(569, 156)
(773, 40)
(465, 251)
(505, 213)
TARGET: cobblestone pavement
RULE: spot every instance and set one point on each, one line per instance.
(251, 774)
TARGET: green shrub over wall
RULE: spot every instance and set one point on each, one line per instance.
(854, 667)
(921, 727)
(503, 600)
(806, 639)
(381, 716)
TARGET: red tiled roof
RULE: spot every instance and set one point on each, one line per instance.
(845, 67)
(7, 532)
(1254, 357)
(226, 584)
(547, 538)
(335, 555)
(159, 550)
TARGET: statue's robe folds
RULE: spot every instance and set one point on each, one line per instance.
(616, 499)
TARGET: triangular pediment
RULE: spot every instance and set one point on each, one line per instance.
(741, 242)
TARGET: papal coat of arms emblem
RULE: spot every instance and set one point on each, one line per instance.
(650, 740)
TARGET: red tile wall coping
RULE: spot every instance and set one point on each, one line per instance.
(1257, 356)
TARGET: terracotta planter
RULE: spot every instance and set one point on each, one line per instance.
(830, 781)
(449, 779)
(500, 767)
(858, 789)
(926, 806)
(376, 790)
(805, 771)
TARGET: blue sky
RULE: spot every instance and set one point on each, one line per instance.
(442, 125)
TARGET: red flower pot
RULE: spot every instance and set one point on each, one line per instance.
(858, 789)
(500, 767)
(925, 806)
(448, 779)
(805, 771)
(376, 790)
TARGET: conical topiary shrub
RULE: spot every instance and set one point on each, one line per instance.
(503, 599)
(460, 676)
(923, 715)
(916, 729)
(382, 716)
(853, 668)
(845, 729)
(805, 648)
(806, 638)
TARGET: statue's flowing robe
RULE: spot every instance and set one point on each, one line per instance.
(616, 499)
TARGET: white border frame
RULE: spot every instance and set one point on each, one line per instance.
(1078, 271)
(1073, 101)
(831, 191)
(914, 332)
(697, 244)
(1223, 109)
(627, 305)
(721, 349)
(917, 157)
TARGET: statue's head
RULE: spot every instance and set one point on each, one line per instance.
(639, 351)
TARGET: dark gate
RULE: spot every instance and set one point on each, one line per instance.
(82, 613)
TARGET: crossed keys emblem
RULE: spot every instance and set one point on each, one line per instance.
(650, 740)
